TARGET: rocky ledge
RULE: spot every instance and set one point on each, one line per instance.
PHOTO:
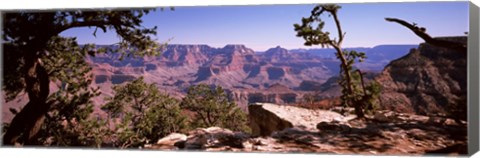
(293, 129)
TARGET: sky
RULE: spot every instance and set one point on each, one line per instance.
(261, 27)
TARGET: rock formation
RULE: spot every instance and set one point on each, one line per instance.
(429, 80)
(245, 73)
(171, 142)
(293, 129)
(180, 55)
(239, 69)
(267, 118)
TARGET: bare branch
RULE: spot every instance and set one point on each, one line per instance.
(412, 27)
(98, 24)
(421, 32)
(339, 28)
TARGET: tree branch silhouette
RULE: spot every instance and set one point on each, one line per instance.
(421, 32)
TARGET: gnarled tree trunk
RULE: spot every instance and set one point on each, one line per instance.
(27, 123)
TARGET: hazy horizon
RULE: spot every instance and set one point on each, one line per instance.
(306, 48)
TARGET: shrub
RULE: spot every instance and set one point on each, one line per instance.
(213, 108)
(144, 113)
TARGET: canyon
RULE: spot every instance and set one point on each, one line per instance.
(282, 76)
(422, 102)
(276, 75)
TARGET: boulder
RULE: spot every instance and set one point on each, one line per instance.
(172, 141)
(172, 138)
(214, 137)
(385, 116)
(266, 118)
(410, 134)
(264, 121)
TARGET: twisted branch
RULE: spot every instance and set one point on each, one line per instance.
(421, 32)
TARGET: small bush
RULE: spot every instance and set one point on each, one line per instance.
(145, 114)
(213, 108)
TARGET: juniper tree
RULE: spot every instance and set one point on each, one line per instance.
(28, 36)
(354, 92)
(144, 113)
(71, 103)
(213, 108)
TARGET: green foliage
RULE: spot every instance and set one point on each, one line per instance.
(71, 104)
(349, 98)
(370, 99)
(25, 32)
(144, 113)
(316, 36)
(213, 108)
(354, 91)
(92, 132)
(31, 44)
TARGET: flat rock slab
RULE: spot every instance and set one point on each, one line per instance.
(266, 118)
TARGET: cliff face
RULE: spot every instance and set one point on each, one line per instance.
(429, 80)
(179, 55)
(236, 68)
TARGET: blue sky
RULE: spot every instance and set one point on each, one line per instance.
(264, 26)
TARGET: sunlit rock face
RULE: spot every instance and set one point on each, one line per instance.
(267, 118)
(429, 80)
(280, 128)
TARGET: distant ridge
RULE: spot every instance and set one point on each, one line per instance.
(378, 52)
